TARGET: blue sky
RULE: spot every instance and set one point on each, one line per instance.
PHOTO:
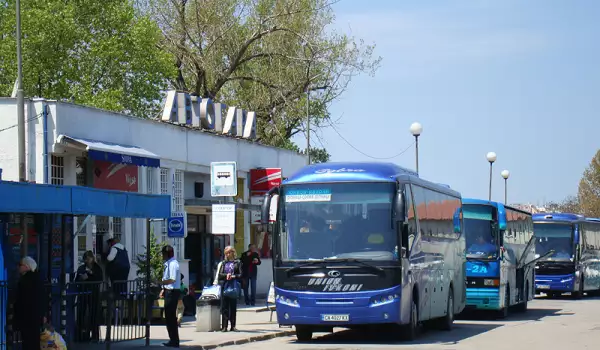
(520, 78)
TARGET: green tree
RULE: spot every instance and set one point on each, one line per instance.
(97, 53)
(589, 188)
(156, 260)
(262, 55)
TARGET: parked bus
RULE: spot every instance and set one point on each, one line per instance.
(500, 256)
(572, 245)
(359, 244)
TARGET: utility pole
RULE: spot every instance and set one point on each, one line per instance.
(308, 124)
(21, 124)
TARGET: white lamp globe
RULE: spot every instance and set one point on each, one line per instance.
(505, 174)
(416, 129)
(491, 157)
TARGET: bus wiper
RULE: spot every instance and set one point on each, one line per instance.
(310, 263)
(377, 269)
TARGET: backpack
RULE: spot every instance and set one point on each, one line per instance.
(120, 263)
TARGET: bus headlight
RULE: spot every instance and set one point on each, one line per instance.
(384, 299)
(565, 280)
(286, 300)
(491, 282)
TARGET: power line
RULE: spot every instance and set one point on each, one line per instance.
(367, 155)
(27, 121)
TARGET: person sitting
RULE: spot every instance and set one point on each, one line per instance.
(482, 247)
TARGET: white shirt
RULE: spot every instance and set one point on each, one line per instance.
(113, 251)
(172, 273)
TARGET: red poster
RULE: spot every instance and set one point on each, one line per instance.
(112, 176)
(262, 180)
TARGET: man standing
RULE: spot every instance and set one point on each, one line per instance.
(250, 261)
(171, 283)
(118, 267)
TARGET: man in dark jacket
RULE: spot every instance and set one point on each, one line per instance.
(250, 261)
(29, 304)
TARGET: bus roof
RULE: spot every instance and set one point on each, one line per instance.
(557, 217)
(474, 201)
(348, 171)
(361, 172)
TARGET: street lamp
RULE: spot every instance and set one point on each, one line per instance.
(491, 157)
(416, 129)
(505, 174)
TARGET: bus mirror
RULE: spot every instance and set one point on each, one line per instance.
(400, 207)
(266, 206)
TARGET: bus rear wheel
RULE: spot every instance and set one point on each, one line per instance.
(304, 333)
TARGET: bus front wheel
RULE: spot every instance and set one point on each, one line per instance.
(411, 330)
(304, 333)
(448, 320)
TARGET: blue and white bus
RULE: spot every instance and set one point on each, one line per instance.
(572, 244)
(500, 256)
(359, 244)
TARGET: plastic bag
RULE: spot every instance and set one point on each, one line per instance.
(51, 340)
(211, 292)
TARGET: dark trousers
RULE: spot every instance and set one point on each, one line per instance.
(30, 337)
(171, 300)
(229, 311)
(250, 290)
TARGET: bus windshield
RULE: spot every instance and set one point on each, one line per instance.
(337, 220)
(553, 236)
(480, 232)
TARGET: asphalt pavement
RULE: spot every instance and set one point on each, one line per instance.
(549, 324)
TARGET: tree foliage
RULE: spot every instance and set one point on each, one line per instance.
(589, 188)
(568, 205)
(156, 260)
(262, 55)
(96, 53)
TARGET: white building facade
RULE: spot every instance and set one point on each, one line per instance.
(65, 144)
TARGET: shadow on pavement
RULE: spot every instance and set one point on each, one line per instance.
(531, 315)
(390, 337)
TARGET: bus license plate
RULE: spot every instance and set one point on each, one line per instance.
(335, 318)
(543, 286)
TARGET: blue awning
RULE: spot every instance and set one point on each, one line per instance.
(21, 197)
(112, 152)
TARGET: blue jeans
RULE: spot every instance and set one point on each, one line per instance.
(250, 283)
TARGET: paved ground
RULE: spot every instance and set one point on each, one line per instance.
(549, 324)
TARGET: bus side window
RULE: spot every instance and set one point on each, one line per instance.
(408, 229)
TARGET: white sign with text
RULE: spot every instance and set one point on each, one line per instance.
(223, 219)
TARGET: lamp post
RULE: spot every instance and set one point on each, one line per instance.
(491, 157)
(505, 174)
(416, 129)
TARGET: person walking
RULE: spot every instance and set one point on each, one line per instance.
(171, 283)
(230, 273)
(29, 304)
(250, 261)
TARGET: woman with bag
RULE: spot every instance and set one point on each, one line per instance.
(230, 274)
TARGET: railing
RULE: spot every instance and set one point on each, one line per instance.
(104, 313)
(90, 312)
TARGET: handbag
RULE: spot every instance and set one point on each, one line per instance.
(212, 292)
(231, 289)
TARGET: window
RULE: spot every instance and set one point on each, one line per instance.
(164, 189)
(57, 176)
(81, 171)
(178, 208)
(151, 181)
(420, 208)
(117, 224)
(409, 231)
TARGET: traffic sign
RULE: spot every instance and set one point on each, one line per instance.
(223, 179)
(175, 227)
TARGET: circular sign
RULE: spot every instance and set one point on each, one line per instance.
(176, 225)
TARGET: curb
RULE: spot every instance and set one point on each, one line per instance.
(247, 340)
